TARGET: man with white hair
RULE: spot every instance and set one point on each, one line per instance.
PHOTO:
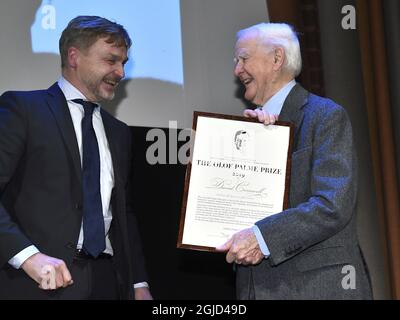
(310, 250)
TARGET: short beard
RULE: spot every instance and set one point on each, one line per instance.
(99, 95)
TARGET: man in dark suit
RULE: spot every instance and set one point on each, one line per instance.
(67, 230)
(310, 250)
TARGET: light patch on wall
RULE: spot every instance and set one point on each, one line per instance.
(153, 25)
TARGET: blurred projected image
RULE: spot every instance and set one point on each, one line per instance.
(154, 26)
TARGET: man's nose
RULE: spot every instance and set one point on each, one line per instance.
(238, 69)
(120, 71)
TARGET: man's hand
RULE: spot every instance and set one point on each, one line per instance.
(262, 116)
(143, 293)
(242, 248)
(50, 273)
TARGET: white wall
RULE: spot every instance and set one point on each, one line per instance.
(209, 32)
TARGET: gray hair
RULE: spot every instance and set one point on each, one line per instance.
(279, 35)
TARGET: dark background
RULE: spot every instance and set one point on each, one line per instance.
(174, 273)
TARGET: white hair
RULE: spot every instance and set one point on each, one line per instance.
(279, 35)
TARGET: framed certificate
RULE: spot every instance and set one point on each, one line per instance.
(238, 174)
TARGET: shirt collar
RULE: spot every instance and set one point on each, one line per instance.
(70, 92)
(275, 103)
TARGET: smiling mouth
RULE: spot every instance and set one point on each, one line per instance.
(112, 83)
(246, 81)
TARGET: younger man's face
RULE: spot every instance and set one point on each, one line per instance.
(100, 68)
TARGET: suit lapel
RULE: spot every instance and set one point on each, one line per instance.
(292, 108)
(58, 106)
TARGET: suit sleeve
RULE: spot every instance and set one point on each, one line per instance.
(13, 133)
(139, 272)
(332, 183)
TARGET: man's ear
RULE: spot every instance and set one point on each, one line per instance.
(279, 58)
(73, 57)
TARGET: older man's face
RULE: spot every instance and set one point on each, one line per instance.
(253, 67)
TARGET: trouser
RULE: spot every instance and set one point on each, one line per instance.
(94, 279)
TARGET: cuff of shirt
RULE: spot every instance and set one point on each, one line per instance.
(141, 285)
(23, 255)
(261, 242)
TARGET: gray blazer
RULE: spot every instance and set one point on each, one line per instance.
(316, 236)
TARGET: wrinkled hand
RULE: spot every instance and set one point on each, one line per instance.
(143, 293)
(242, 248)
(50, 273)
(262, 116)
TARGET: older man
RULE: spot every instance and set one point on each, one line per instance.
(310, 250)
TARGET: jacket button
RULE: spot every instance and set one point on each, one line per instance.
(78, 206)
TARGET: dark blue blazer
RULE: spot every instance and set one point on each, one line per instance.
(40, 186)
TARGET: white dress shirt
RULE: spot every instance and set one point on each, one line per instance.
(106, 167)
